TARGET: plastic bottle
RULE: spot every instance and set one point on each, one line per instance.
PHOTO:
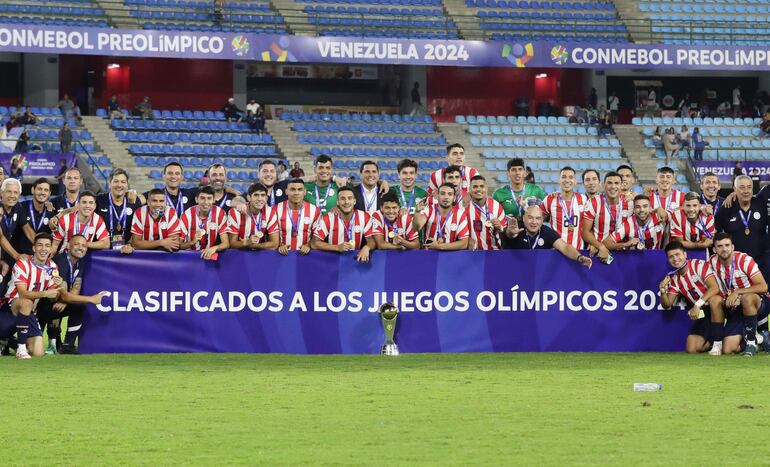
(647, 387)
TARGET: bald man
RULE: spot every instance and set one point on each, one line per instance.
(536, 236)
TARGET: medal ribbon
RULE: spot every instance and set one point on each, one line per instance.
(618, 208)
(641, 231)
(9, 223)
(700, 225)
(349, 228)
(319, 202)
(257, 221)
(567, 213)
(179, 202)
(513, 197)
(668, 199)
(367, 201)
(35, 224)
(73, 272)
(745, 219)
(67, 201)
(204, 227)
(123, 214)
(715, 205)
(533, 243)
(440, 225)
(403, 199)
(294, 229)
(85, 225)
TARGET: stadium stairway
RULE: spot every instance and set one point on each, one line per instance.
(467, 24)
(296, 19)
(119, 14)
(287, 145)
(117, 152)
(628, 10)
(455, 133)
(641, 158)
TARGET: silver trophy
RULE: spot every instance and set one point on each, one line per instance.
(388, 314)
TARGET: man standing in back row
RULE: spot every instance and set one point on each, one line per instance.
(516, 196)
(455, 155)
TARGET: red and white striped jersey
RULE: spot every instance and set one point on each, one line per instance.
(690, 282)
(631, 228)
(334, 230)
(147, 228)
(736, 274)
(691, 231)
(606, 218)
(451, 227)
(214, 226)
(302, 232)
(246, 225)
(670, 203)
(69, 225)
(565, 215)
(437, 178)
(483, 237)
(36, 277)
(402, 226)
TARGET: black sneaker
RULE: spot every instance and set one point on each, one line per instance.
(68, 349)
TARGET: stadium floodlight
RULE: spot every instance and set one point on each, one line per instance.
(541, 76)
(113, 65)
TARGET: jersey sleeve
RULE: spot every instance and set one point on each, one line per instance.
(101, 229)
(173, 223)
(749, 266)
(621, 233)
(272, 222)
(540, 193)
(545, 205)
(184, 224)
(224, 227)
(376, 224)
(369, 227)
(321, 230)
(589, 210)
(704, 269)
(410, 233)
(20, 274)
(676, 226)
(463, 229)
(234, 221)
(136, 224)
(500, 215)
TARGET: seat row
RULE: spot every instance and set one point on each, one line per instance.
(545, 142)
(707, 121)
(509, 26)
(509, 120)
(177, 114)
(389, 33)
(379, 2)
(54, 134)
(532, 130)
(493, 14)
(538, 5)
(613, 39)
(47, 122)
(39, 111)
(173, 26)
(560, 154)
(188, 16)
(198, 5)
(52, 10)
(724, 131)
(185, 125)
(346, 117)
(374, 152)
(365, 127)
(201, 138)
(207, 150)
(160, 161)
(48, 21)
(372, 140)
(381, 23)
(351, 10)
(695, 8)
(725, 143)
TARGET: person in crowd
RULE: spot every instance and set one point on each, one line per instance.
(613, 103)
(232, 112)
(22, 144)
(683, 109)
(745, 289)
(68, 108)
(486, 217)
(591, 182)
(65, 139)
(118, 211)
(34, 216)
(518, 194)
(536, 236)
(60, 177)
(407, 192)
(737, 102)
(602, 215)
(283, 173)
(445, 223)
(723, 109)
(83, 221)
(251, 120)
(205, 180)
(143, 109)
(392, 226)
(764, 125)
(698, 143)
(113, 109)
(657, 137)
(296, 219)
(670, 146)
(455, 155)
(738, 170)
(296, 171)
(417, 107)
(28, 118)
(684, 139)
(529, 176)
(345, 230)
(644, 230)
(564, 208)
(156, 225)
(253, 106)
(652, 101)
(693, 280)
(257, 229)
(593, 99)
(259, 121)
(605, 125)
(204, 226)
(690, 227)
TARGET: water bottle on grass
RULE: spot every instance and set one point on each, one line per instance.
(647, 387)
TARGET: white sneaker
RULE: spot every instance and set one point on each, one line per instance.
(22, 354)
(716, 350)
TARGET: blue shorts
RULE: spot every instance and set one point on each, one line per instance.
(700, 327)
(7, 324)
(734, 325)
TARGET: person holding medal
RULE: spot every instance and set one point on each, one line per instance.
(392, 227)
(178, 198)
(747, 302)
(156, 225)
(642, 231)
(83, 221)
(12, 215)
(118, 210)
(204, 226)
(296, 219)
(664, 197)
(455, 156)
(628, 178)
(746, 221)
(445, 223)
(322, 192)
(565, 207)
(690, 226)
(452, 176)
(349, 229)
(257, 229)
(709, 187)
(35, 216)
(602, 215)
(486, 217)
(223, 195)
(517, 195)
(693, 280)
(592, 183)
(536, 236)
(268, 177)
(408, 193)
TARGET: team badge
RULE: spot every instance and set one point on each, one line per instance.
(129, 211)
(184, 199)
(278, 192)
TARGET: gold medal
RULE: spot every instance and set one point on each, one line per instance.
(571, 227)
(391, 234)
(55, 273)
(352, 243)
(747, 231)
(640, 246)
(259, 234)
(488, 224)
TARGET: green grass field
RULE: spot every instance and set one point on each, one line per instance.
(414, 409)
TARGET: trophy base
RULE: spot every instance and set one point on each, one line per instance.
(390, 350)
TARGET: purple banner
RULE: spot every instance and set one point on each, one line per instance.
(289, 48)
(724, 169)
(37, 164)
(523, 301)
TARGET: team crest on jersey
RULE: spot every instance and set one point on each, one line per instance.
(45, 221)
(163, 225)
(129, 211)
(227, 203)
(184, 199)
(357, 229)
(452, 226)
(540, 242)
(331, 192)
(212, 225)
(278, 192)
(756, 216)
(15, 215)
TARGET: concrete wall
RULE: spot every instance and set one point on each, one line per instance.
(41, 80)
